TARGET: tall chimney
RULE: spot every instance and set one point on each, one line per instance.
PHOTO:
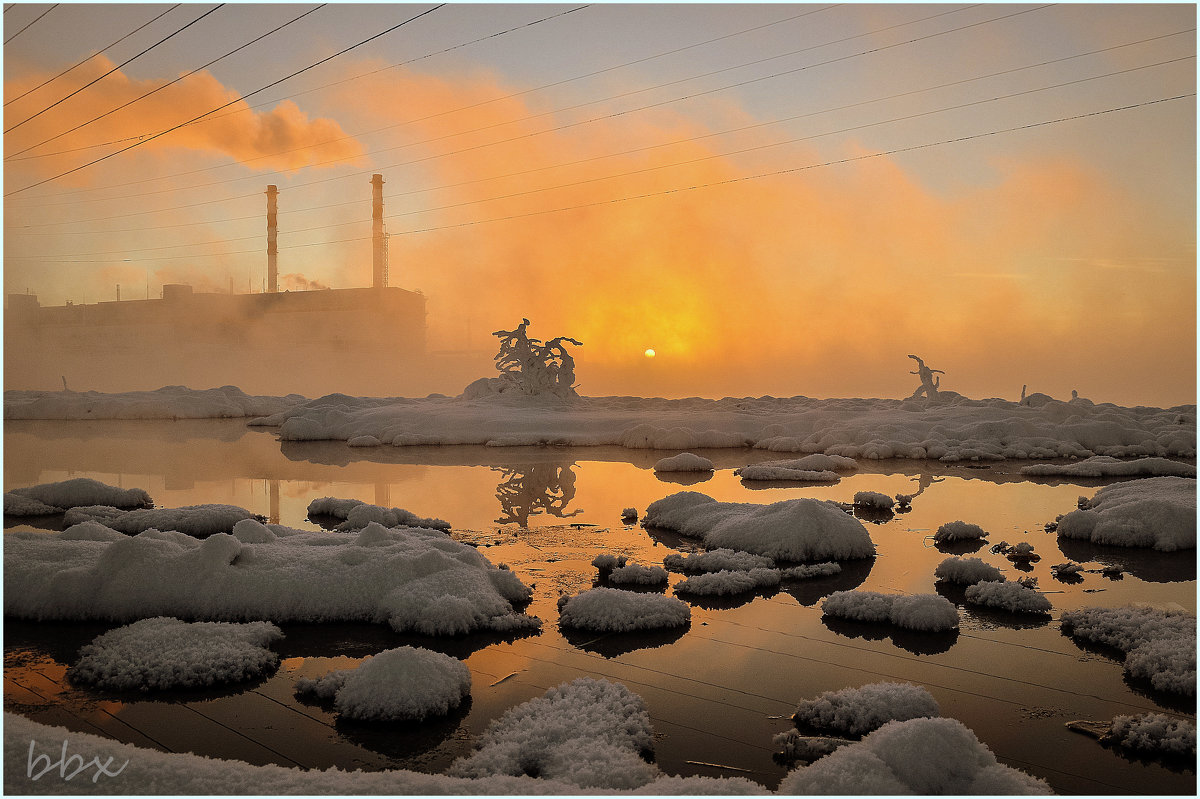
(379, 248)
(272, 239)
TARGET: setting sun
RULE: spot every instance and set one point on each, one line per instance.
(649, 353)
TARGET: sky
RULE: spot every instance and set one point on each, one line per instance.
(776, 199)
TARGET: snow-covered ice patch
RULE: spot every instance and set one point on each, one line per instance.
(357, 514)
(162, 653)
(924, 612)
(1012, 597)
(791, 530)
(806, 571)
(1158, 512)
(816, 468)
(170, 402)
(403, 684)
(967, 571)
(857, 711)
(1159, 645)
(71, 494)
(200, 521)
(716, 560)
(958, 531)
(727, 583)
(684, 462)
(614, 610)
(636, 574)
(873, 499)
(1105, 466)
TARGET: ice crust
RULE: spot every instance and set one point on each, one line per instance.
(924, 612)
(413, 578)
(614, 610)
(403, 684)
(1159, 645)
(162, 653)
(857, 711)
(791, 530)
(684, 462)
(1012, 597)
(1158, 512)
(967, 571)
(47, 498)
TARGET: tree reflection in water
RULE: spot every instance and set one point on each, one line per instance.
(533, 489)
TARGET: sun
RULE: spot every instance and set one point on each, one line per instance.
(649, 353)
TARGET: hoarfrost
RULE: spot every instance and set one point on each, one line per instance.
(716, 560)
(614, 610)
(925, 612)
(635, 574)
(1159, 645)
(958, 531)
(725, 583)
(1158, 512)
(1012, 597)
(967, 571)
(1153, 734)
(684, 462)
(857, 711)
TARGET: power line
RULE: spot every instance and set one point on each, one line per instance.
(93, 55)
(114, 69)
(172, 83)
(30, 25)
(680, 189)
(226, 105)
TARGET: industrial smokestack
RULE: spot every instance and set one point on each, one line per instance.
(379, 246)
(272, 239)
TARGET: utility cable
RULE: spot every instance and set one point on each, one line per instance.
(30, 25)
(114, 69)
(226, 105)
(93, 55)
(172, 83)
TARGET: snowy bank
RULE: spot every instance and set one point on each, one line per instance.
(1158, 512)
(793, 530)
(1104, 466)
(614, 610)
(857, 711)
(57, 497)
(414, 579)
(403, 684)
(1159, 645)
(170, 402)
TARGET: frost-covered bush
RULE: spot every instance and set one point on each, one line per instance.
(857, 711)
(967, 571)
(727, 583)
(873, 499)
(1012, 597)
(809, 570)
(76, 492)
(635, 574)
(629, 515)
(407, 683)
(796, 529)
(1153, 734)
(919, 756)
(958, 531)
(1158, 512)
(716, 560)
(606, 560)
(1159, 645)
(614, 610)
(684, 462)
(588, 732)
(925, 612)
(199, 521)
(358, 514)
(162, 653)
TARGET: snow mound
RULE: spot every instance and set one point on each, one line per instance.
(415, 579)
(684, 462)
(17, 505)
(364, 441)
(588, 732)
(873, 499)
(925, 612)
(857, 711)
(795, 529)
(1158, 512)
(920, 756)
(967, 571)
(406, 683)
(817, 467)
(614, 610)
(358, 514)
(1159, 645)
(161, 653)
(74, 493)
(809, 570)
(1153, 734)
(170, 402)
(724, 583)
(716, 560)
(1105, 466)
(958, 531)
(1012, 597)
(634, 574)
(200, 521)
(90, 531)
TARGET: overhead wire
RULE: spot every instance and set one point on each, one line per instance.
(93, 55)
(31, 24)
(184, 76)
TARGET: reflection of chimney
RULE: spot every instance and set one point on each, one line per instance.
(379, 248)
(272, 239)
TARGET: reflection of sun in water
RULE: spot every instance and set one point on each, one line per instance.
(649, 353)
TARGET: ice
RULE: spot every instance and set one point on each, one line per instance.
(796, 530)
(1153, 734)
(716, 560)
(1158, 512)
(684, 462)
(723, 583)
(873, 499)
(925, 612)
(1159, 645)
(170, 402)
(403, 684)
(920, 756)
(857, 711)
(811, 468)
(57, 497)
(967, 571)
(358, 514)
(614, 610)
(414, 579)
(1012, 597)
(634, 574)
(200, 521)
(161, 653)
(958, 531)
(1105, 466)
